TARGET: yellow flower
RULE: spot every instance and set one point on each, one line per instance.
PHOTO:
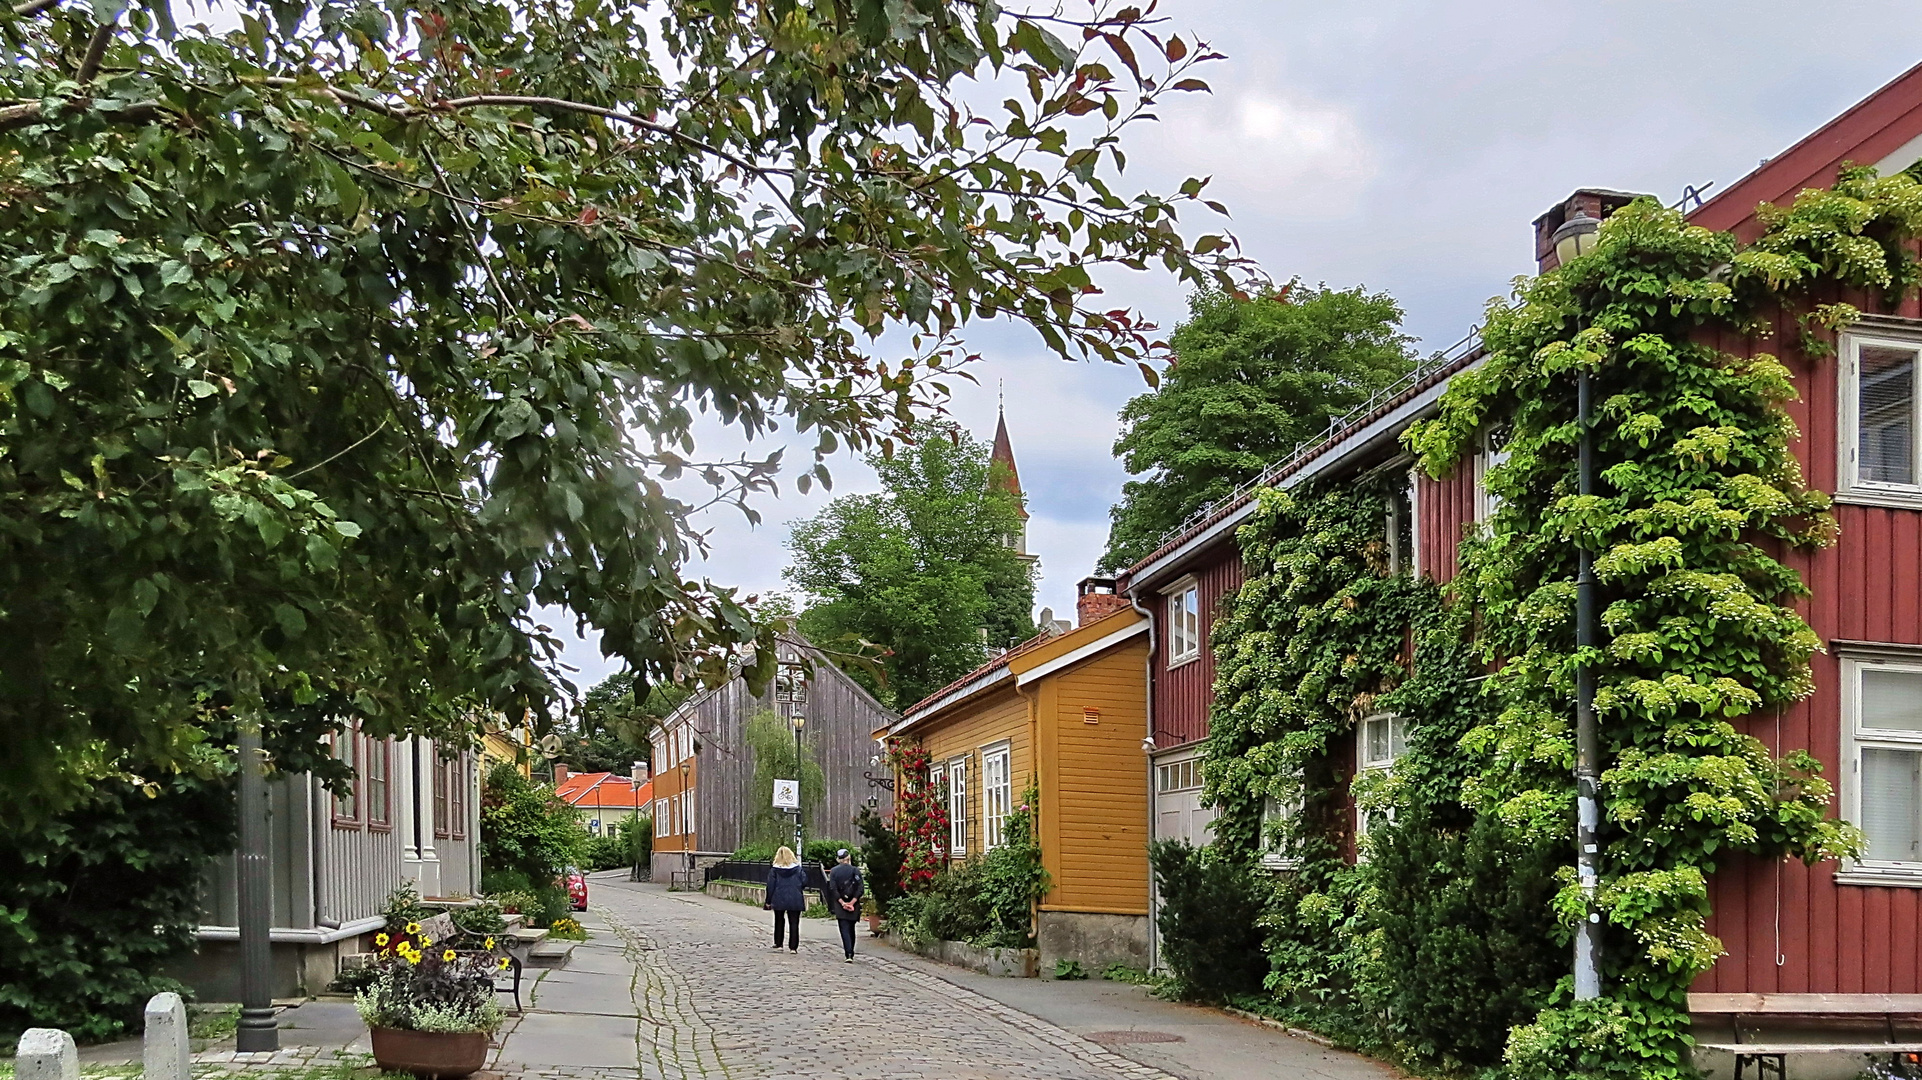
(380, 938)
(504, 962)
(412, 957)
(488, 944)
(448, 955)
(413, 928)
(426, 941)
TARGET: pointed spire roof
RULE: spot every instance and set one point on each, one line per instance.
(1004, 455)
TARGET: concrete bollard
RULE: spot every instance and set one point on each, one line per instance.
(46, 1054)
(163, 1049)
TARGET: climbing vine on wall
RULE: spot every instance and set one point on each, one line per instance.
(1698, 492)
(920, 820)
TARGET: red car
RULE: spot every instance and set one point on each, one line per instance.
(576, 883)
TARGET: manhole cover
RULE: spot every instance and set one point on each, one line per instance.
(1116, 1038)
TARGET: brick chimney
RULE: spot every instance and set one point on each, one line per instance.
(1095, 599)
(1596, 203)
(560, 774)
(639, 774)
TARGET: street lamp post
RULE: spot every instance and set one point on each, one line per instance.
(797, 721)
(258, 1030)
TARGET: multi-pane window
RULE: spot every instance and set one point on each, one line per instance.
(997, 794)
(687, 813)
(347, 800)
(440, 797)
(378, 763)
(1402, 552)
(1179, 812)
(1276, 815)
(1184, 624)
(660, 818)
(1493, 454)
(1882, 411)
(458, 779)
(1380, 739)
(958, 807)
(1882, 776)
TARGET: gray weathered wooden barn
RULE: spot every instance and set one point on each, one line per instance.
(704, 767)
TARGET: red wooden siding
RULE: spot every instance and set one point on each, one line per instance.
(1444, 509)
(1790, 928)
(1183, 694)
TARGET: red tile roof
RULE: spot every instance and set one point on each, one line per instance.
(604, 790)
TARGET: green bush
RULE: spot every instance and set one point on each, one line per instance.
(881, 858)
(1211, 936)
(95, 901)
(1466, 936)
(754, 853)
(528, 834)
(607, 851)
(638, 833)
(822, 851)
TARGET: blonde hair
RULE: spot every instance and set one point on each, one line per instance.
(784, 858)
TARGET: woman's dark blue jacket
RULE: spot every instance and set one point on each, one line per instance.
(784, 888)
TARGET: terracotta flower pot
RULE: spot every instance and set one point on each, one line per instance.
(874, 925)
(433, 1055)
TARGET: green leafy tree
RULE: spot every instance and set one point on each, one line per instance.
(528, 834)
(1251, 380)
(610, 731)
(777, 758)
(921, 570)
(333, 347)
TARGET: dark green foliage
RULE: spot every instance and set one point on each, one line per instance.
(609, 732)
(94, 901)
(1211, 907)
(528, 834)
(341, 343)
(1469, 944)
(1252, 379)
(822, 851)
(608, 851)
(881, 858)
(638, 833)
(920, 570)
(988, 900)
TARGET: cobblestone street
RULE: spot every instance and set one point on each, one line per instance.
(687, 986)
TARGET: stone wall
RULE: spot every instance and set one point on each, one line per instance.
(1096, 940)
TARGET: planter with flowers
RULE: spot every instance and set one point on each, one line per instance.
(429, 1006)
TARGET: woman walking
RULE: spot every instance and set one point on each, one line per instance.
(785, 898)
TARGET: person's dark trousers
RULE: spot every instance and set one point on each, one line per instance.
(847, 935)
(793, 929)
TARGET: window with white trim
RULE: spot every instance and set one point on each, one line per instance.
(660, 817)
(1184, 624)
(958, 807)
(1380, 741)
(1404, 554)
(1881, 415)
(1492, 454)
(1276, 815)
(938, 784)
(347, 745)
(997, 793)
(1882, 765)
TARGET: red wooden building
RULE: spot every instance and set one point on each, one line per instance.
(1853, 928)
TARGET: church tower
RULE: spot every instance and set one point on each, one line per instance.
(1005, 476)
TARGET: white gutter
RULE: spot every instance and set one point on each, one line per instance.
(1085, 651)
(972, 686)
(285, 935)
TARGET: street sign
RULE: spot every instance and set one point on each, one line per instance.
(787, 794)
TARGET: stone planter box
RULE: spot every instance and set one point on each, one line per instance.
(1001, 963)
(430, 1055)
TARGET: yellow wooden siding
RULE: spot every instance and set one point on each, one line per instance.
(1000, 716)
(1095, 846)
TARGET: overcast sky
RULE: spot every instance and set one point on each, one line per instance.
(1404, 147)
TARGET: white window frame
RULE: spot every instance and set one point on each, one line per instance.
(997, 793)
(660, 819)
(1184, 641)
(1184, 767)
(1856, 739)
(1275, 811)
(958, 807)
(1365, 764)
(1409, 561)
(1487, 457)
(1849, 486)
(938, 783)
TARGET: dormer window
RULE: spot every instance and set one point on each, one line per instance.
(1881, 413)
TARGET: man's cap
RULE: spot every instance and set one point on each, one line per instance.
(841, 854)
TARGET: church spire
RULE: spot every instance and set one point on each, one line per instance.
(1006, 477)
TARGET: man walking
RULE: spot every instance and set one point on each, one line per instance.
(844, 899)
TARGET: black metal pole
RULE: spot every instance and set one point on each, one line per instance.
(1588, 744)
(258, 1029)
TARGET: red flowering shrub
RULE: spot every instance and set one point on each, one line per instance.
(920, 819)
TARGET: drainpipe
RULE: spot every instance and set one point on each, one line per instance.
(1588, 749)
(1154, 900)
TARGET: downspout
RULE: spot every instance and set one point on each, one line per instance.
(1034, 777)
(1154, 650)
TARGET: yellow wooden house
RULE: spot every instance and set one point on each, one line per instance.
(1067, 713)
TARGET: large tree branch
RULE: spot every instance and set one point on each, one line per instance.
(96, 52)
(33, 7)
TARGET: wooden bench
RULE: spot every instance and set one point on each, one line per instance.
(1770, 1057)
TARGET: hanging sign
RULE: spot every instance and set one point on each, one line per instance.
(787, 794)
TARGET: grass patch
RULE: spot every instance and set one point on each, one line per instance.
(212, 1022)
